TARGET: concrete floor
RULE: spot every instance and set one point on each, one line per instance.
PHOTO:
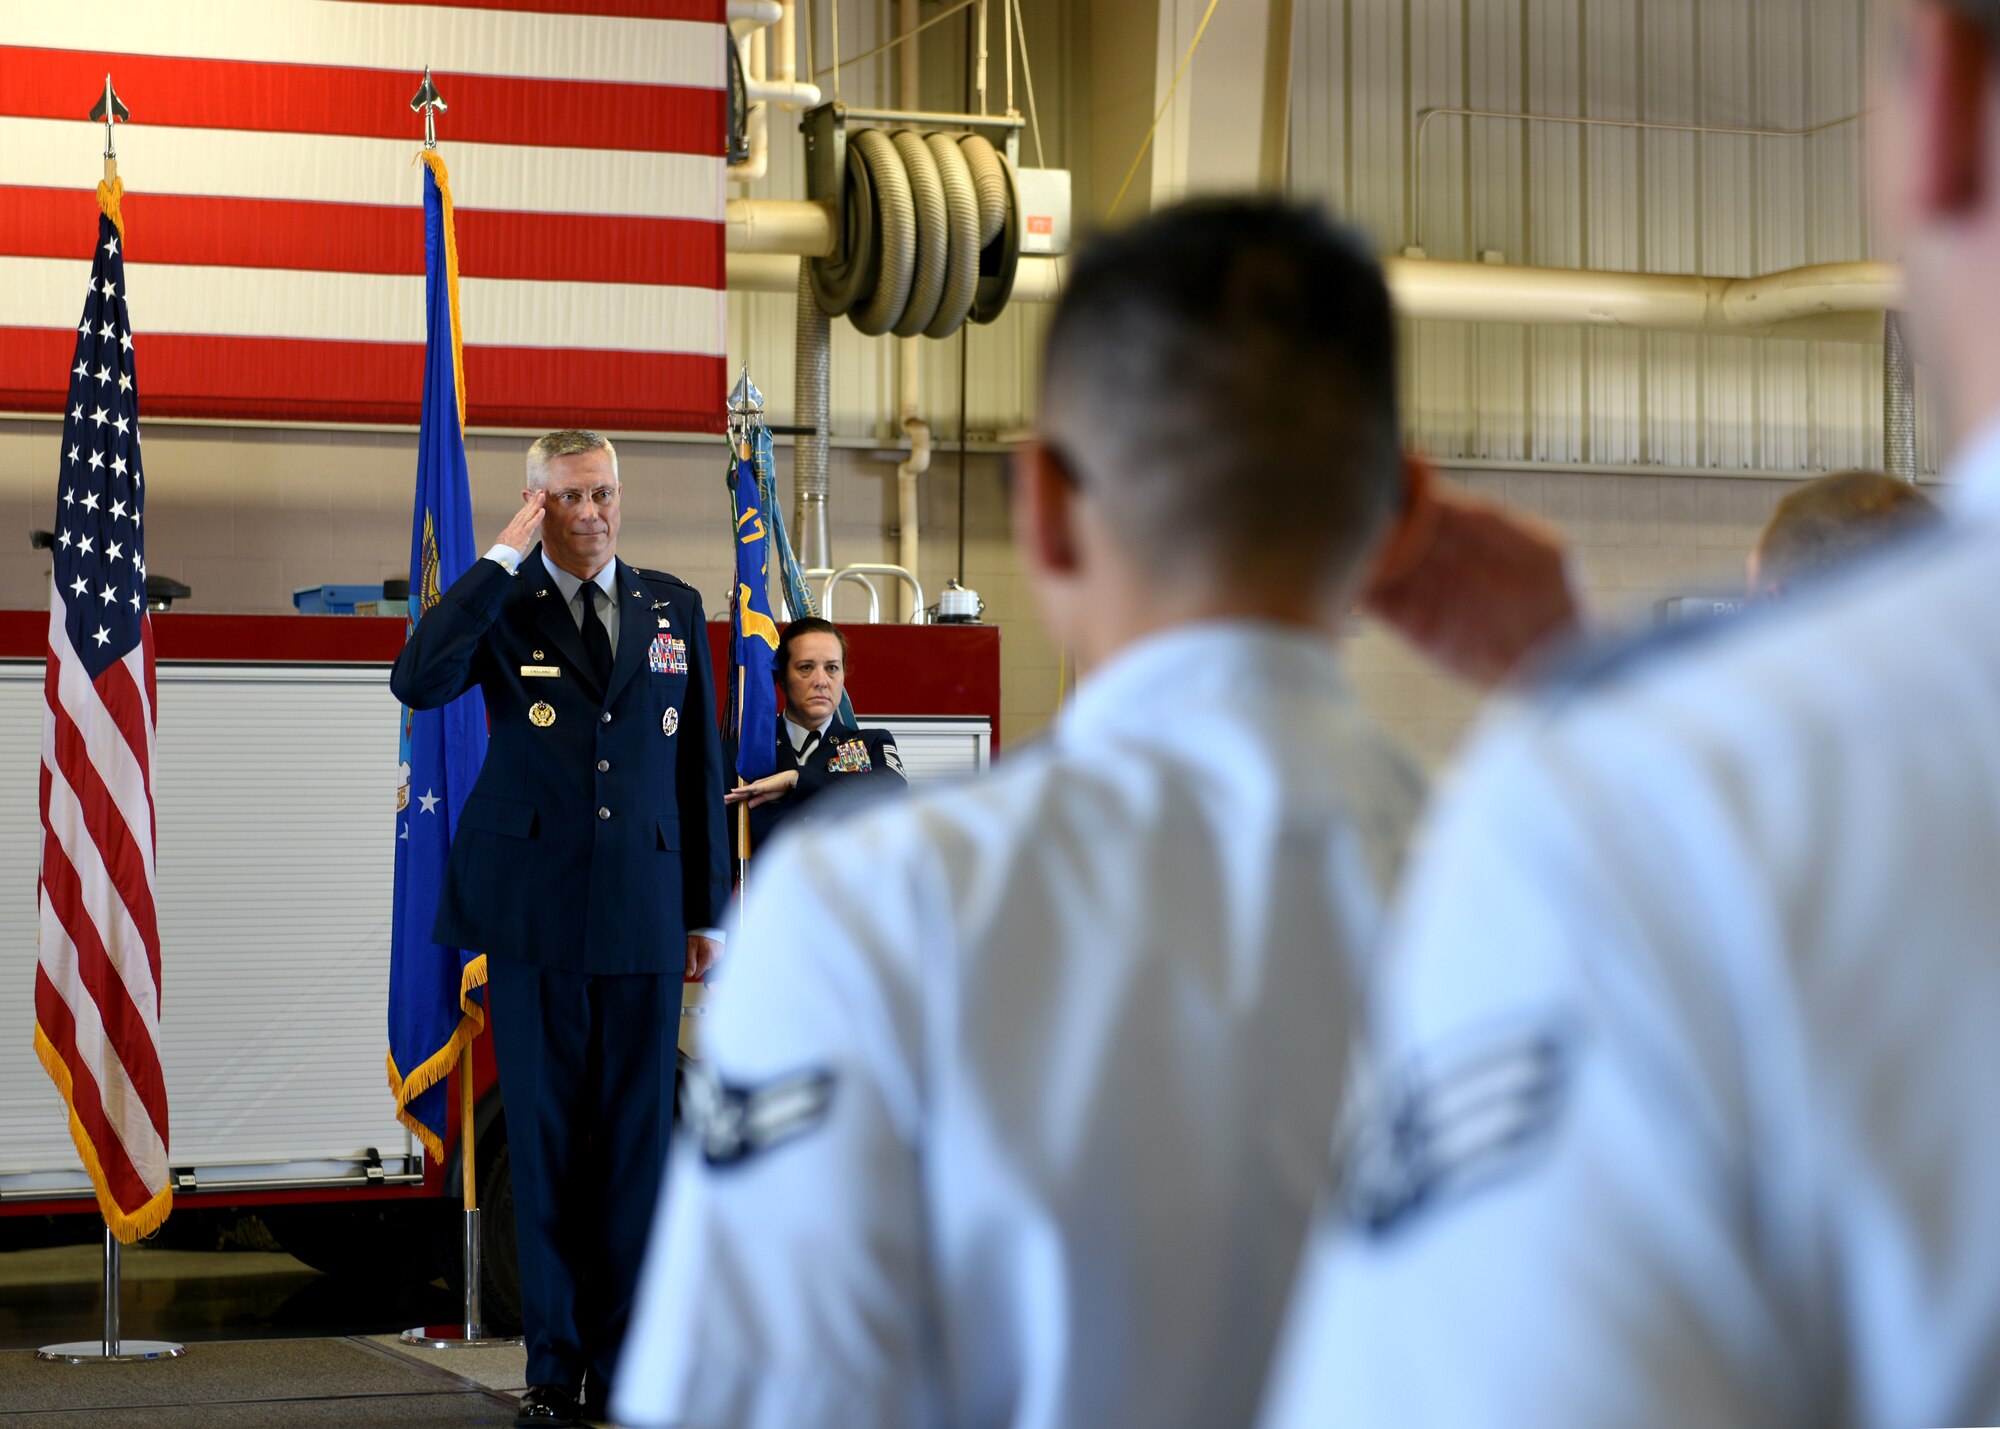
(52, 1294)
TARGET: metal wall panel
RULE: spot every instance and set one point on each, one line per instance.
(1557, 195)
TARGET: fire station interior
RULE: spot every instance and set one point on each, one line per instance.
(1640, 297)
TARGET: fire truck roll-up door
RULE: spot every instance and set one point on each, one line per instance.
(274, 793)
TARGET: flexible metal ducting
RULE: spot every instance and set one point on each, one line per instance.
(930, 234)
(1899, 403)
(812, 384)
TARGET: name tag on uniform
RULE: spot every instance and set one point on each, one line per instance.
(668, 655)
(529, 672)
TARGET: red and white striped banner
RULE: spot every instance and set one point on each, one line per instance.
(278, 218)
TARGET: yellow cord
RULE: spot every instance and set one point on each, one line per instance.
(1147, 142)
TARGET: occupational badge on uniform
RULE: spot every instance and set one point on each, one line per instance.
(850, 756)
(541, 714)
(668, 655)
(1474, 1116)
(735, 1123)
(670, 721)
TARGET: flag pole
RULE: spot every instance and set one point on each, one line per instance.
(471, 1332)
(112, 1347)
(746, 404)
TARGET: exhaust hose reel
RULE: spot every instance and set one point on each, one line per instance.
(931, 234)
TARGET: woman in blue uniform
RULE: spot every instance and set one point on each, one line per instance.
(816, 752)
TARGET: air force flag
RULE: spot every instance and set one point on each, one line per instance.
(436, 995)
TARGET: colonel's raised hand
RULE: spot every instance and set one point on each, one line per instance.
(520, 532)
(1478, 588)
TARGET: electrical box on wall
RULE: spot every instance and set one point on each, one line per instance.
(1044, 211)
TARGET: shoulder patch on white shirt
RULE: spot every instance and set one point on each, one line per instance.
(736, 1122)
(1456, 1127)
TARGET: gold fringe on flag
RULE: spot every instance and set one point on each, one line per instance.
(128, 1226)
(436, 1067)
(435, 163)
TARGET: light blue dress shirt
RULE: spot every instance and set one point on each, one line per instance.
(1690, 1041)
(1083, 1026)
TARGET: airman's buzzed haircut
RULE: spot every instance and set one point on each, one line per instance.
(1832, 519)
(1221, 376)
(565, 443)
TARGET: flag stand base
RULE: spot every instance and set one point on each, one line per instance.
(98, 1352)
(455, 1337)
(110, 1349)
(473, 1331)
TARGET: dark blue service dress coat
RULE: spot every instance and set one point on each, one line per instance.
(846, 758)
(590, 846)
(594, 839)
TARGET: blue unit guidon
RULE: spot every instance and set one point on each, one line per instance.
(753, 644)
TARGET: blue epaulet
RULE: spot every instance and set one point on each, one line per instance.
(1602, 661)
(660, 577)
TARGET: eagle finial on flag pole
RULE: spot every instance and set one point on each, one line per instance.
(429, 103)
(107, 109)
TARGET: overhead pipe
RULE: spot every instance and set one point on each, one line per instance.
(751, 30)
(1841, 301)
(909, 360)
(1828, 300)
(795, 227)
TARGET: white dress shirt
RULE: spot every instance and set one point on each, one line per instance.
(605, 580)
(798, 734)
(1691, 1041)
(1026, 1084)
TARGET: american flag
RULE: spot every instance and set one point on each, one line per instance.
(97, 985)
(283, 257)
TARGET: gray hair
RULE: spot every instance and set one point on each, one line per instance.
(565, 443)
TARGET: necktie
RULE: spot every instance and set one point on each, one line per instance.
(596, 640)
(808, 745)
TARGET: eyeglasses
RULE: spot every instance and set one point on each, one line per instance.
(603, 498)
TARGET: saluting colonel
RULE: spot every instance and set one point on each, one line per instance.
(1021, 1088)
(589, 865)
